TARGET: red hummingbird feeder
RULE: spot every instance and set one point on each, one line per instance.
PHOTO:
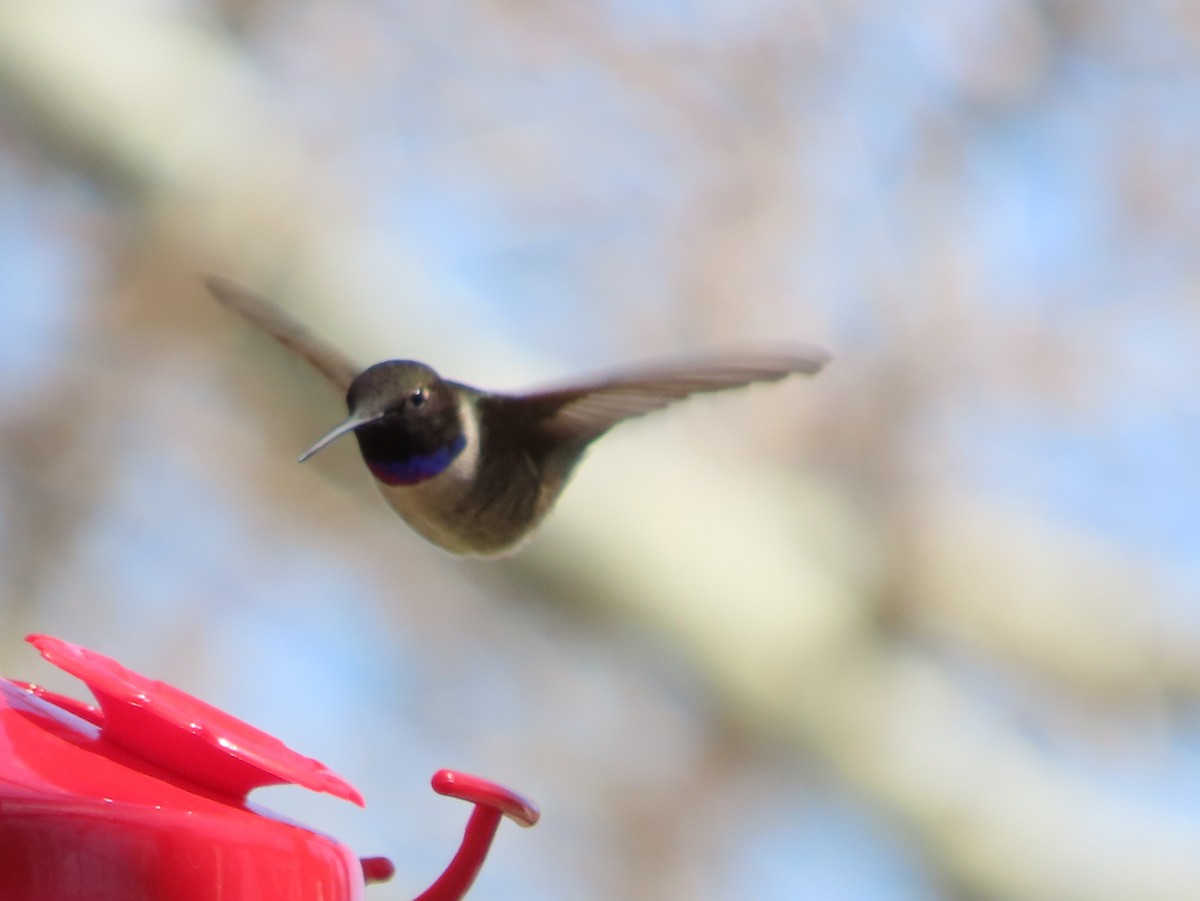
(144, 797)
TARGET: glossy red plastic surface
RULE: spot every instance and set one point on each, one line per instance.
(161, 724)
(144, 797)
(491, 802)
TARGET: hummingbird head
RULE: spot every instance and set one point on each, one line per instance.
(406, 420)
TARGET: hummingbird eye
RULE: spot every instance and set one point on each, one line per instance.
(418, 397)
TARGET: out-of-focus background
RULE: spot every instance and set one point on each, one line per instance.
(924, 627)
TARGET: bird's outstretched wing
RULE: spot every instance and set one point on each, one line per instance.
(264, 314)
(586, 410)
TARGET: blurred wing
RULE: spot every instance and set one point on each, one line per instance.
(584, 412)
(259, 311)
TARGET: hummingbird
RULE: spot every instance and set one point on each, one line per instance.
(473, 471)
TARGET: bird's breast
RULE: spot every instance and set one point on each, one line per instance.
(435, 505)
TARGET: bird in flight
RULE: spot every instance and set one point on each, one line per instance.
(474, 471)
